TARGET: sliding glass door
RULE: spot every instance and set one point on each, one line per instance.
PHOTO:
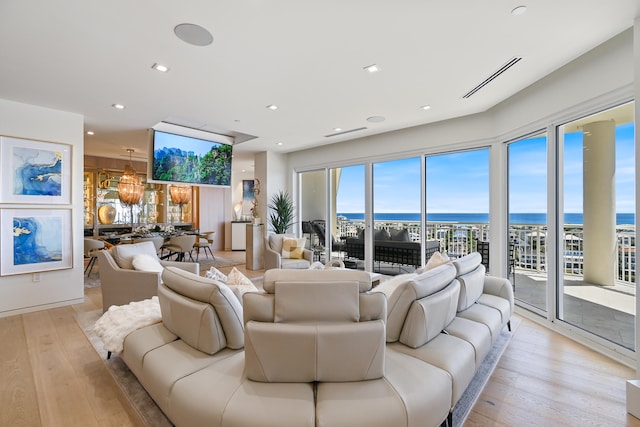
(528, 229)
(597, 283)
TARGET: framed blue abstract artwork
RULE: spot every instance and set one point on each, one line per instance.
(34, 240)
(34, 171)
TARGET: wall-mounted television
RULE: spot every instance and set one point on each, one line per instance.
(181, 155)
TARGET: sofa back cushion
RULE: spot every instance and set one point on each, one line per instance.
(216, 294)
(307, 301)
(123, 254)
(428, 316)
(195, 322)
(470, 273)
(403, 290)
(271, 277)
(314, 325)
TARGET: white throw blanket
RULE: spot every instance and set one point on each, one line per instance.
(120, 320)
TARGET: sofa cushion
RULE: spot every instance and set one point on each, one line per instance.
(471, 287)
(215, 274)
(293, 248)
(467, 263)
(429, 316)
(437, 259)
(146, 262)
(217, 294)
(271, 277)
(381, 234)
(123, 254)
(335, 301)
(275, 242)
(305, 352)
(400, 235)
(195, 322)
(403, 290)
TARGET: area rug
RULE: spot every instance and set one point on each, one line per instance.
(470, 395)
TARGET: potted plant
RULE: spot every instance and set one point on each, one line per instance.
(282, 212)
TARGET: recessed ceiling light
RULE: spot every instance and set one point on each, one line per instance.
(193, 34)
(89, 132)
(337, 129)
(272, 107)
(160, 67)
(373, 68)
(278, 143)
(426, 107)
(118, 106)
(376, 119)
(519, 10)
(243, 170)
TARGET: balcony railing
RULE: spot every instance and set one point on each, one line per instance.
(530, 242)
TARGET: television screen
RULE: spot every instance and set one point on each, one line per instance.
(183, 159)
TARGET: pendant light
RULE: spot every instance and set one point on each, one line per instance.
(130, 187)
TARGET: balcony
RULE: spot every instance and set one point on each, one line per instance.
(607, 311)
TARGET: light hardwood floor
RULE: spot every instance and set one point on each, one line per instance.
(51, 376)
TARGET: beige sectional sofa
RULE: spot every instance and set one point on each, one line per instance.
(320, 347)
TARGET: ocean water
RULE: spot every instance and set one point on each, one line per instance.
(472, 218)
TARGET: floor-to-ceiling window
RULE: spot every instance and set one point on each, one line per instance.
(348, 187)
(396, 213)
(313, 210)
(457, 201)
(528, 226)
(597, 283)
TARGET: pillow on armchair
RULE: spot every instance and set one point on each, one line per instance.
(293, 248)
(123, 254)
(146, 262)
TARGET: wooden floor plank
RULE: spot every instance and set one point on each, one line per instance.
(18, 397)
(60, 393)
(544, 378)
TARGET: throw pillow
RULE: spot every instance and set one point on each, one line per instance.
(236, 278)
(293, 248)
(436, 260)
(240, 284)
(216, 274)
(145, 262)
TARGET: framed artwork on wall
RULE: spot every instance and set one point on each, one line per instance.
(248, 197)
(34, 240)
(34, 171)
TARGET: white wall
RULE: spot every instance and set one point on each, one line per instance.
(216, 210)
(19, 293)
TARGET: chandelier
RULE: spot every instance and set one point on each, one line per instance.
(130, 187)
(180, 194)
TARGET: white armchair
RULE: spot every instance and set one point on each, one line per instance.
(273, 253)
(120, 281)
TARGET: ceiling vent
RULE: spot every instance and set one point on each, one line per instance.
(513, 61)
(345, 131)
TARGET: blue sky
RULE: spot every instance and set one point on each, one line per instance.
(459, 182)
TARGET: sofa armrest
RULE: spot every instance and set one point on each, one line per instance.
(191, 267)
(121, 286)
(499, 287)
(272, 259)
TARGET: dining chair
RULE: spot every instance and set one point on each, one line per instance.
(180, 246)
(204, 242)
(91, 248)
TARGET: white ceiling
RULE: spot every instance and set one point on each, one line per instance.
(307, 58)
